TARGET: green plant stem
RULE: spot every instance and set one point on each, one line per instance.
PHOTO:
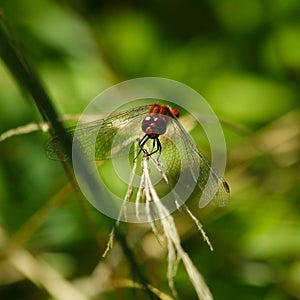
(120, 236)
(29, 81)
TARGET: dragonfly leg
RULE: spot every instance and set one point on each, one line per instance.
(156, 147)
(157, 144)
(153, 145)
(142, 142)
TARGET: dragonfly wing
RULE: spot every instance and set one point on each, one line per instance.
(195, 166)
(213, 187)
(97, 138)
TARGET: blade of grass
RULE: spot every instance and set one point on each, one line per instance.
(29, 80)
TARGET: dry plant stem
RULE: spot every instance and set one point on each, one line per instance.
(130, 187)
(110, 242)
(179, 204)
(130, 283)
(175, 250)
(43, 275)
(42, 126)
(25, 129)
(200, 228)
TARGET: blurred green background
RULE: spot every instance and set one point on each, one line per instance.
(243, 57)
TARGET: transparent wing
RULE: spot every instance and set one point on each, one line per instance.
(102, 139)
(194, 164)
(116, 133)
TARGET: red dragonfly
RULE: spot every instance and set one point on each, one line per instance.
(154, 125)
(155, 122)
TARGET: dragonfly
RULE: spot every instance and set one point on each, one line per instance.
(154, 123)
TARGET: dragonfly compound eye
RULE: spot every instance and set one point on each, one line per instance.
(154, 125)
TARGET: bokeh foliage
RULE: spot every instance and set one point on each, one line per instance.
(243, 57)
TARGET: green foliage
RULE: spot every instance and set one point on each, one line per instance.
(243, 57)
